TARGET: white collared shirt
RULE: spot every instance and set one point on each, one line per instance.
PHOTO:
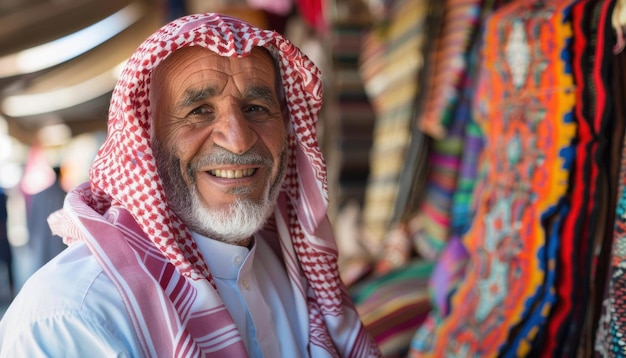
(255, 288)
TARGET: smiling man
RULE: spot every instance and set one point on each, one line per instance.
(203, 228)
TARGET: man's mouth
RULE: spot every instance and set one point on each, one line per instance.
(230, 174)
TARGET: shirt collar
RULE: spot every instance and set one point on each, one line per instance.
(224, 260)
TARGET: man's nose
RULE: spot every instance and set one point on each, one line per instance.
(234, 132)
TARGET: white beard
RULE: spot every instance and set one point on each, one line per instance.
(239, 222)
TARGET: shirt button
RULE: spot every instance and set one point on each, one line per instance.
(245, 284)
(237, 259)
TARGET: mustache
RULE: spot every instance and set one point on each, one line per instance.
(221, 156)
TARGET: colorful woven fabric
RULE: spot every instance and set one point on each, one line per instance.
(432, 222)
(461, 211)
(393, 306)
(445, 210)
(430, 225)
(524, 104)
(586, 220)
(446, 94)
(610, 340)
(390, 79)
(449, 63)
(448, 274)
(451, 263)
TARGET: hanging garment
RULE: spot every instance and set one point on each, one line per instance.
(430, 223)
(571, 320)
(452, 260)
(453, 25)
(452, 165)
(394, 305)
(609, 341)
(448, 61)
(390, 79)
(433, 219)
(524, 105)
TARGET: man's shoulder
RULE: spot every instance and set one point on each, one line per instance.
(70, 296)
(70, 284)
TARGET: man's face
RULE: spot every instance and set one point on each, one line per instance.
(219, 140)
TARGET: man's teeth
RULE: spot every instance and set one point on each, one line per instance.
(230, 174)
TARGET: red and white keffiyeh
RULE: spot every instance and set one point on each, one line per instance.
(148, 252)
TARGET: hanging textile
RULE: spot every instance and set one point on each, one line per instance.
(352, 113)
(416, 167)
(610, 339)
(348, 136)
(391, 61)
(431, 226)
(394, 305)
(571, 322)
(393, 317)
(424, 205)
(451, 261)
(390, 73)
(432, 222)
(444, 82)
(524, 104)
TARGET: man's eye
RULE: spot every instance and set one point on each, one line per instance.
(256, 108)
(199, 110)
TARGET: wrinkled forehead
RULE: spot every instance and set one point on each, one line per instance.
(184, 57)
(188, 52)
(189, 57)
